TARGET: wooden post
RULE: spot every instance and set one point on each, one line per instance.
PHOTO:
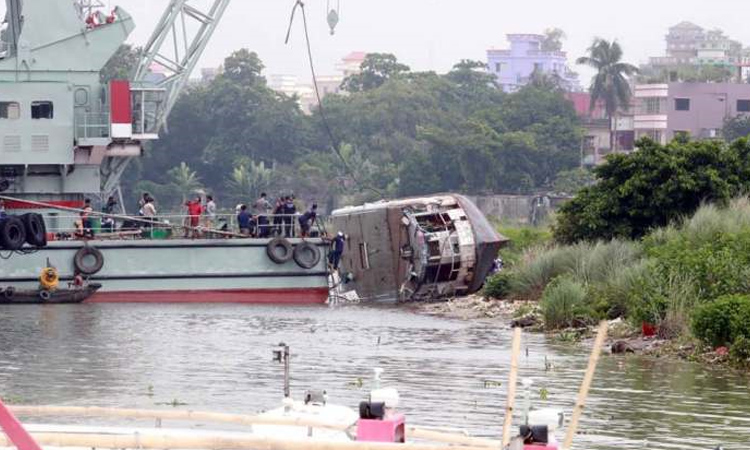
(583, 393)
(512, 382)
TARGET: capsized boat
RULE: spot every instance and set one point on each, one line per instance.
(421, 248)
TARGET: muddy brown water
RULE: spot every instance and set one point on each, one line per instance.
(450, 373)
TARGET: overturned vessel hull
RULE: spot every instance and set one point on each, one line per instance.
(422, 248)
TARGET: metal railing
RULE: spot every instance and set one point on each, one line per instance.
(176, 226)
(92, 125)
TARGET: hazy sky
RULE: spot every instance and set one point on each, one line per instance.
(434, 34)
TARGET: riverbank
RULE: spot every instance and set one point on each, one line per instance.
(623, 337)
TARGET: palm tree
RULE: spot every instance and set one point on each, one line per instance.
(185, 180)
(248, 179)
(610, 84)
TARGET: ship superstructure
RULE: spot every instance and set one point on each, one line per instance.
(67, 135)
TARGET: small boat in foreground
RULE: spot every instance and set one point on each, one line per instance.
(12, 296)
(49, 291)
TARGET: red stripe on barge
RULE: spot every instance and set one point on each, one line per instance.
(301, 296)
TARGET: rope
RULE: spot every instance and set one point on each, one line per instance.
(335, 144)
(120, 217)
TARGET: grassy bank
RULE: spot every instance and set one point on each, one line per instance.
(690, 281)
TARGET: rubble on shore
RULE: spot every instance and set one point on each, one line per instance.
(623, 337)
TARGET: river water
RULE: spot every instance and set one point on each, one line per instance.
(450, 373)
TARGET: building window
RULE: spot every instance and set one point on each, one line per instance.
(498, 67)
(10, 110)
(653, 105)
(743, 105)
(42, 110)
(682, 104)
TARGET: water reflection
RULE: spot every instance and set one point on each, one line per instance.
(218, 357)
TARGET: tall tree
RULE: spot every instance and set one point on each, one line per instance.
(553, 38)
(377, 68)
(121, 66)
(610, 84)
(185, 180)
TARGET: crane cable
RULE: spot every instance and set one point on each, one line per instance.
(323, 117)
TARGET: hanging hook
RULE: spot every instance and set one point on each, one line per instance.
(333, 15)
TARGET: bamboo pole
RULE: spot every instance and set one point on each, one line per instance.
(177, 415)
(583, 393)
(118, 216)
(450, 438)
(212, 442)
(512, 382)
(237, 419)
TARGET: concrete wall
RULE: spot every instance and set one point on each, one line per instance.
(517, 209)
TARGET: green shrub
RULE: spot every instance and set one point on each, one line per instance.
(719, 264)
(724, 321)
(564, 304)
(739, 352)
(498, 286)
(540, 266)
(522, 238)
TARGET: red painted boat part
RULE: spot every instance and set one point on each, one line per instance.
(15, 431)
(20, 204)
(301, 296)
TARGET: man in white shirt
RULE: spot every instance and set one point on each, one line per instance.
(210, 212)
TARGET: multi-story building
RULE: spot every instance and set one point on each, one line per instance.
(327, 84)
(698, 110)
(513, 67)
(689, 45)
(599, 131)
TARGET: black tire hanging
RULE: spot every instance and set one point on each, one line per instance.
(36, 230)
(279, 250)
(12, 233)
(45, 295)
(9, 292)
(80, 261)
(306, 255)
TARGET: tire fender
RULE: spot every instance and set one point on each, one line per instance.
(279, 250)
(307, 255)
(80, 258)
(12, 233)
(36, 230)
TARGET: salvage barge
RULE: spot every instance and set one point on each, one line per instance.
(423, 248)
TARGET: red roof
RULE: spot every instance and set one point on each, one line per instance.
(582, 104)
(355, 56)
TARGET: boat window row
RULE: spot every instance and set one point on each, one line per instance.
(41, 109)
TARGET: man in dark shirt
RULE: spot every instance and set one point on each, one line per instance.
(307, 220)
(289, 211)
(337, 249)
(243, 220)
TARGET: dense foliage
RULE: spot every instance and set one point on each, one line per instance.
(736, 128)
(724, 321)
(394, 132)
(649, 188)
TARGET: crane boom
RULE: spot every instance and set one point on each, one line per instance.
(176, 45)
